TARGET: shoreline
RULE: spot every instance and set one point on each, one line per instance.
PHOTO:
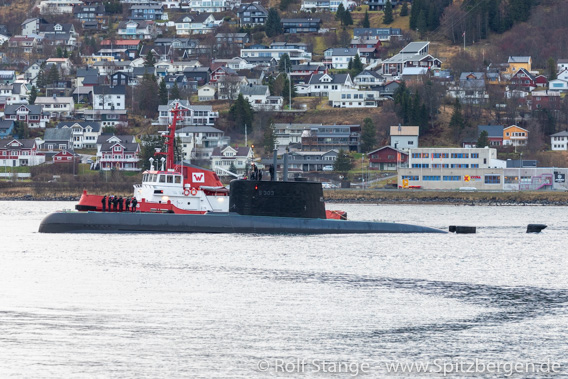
(392, 198)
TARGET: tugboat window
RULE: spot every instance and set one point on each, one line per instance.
(170, 179)
(162, 178)
(178, 179)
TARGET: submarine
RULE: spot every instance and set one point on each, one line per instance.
(259, 207)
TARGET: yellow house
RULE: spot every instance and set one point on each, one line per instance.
(515, 136)
(516, 63)
(98, 58)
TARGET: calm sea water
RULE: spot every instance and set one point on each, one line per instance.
(249, 306)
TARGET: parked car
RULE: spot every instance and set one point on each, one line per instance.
(327, 168)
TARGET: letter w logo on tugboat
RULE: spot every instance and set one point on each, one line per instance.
(198, 177)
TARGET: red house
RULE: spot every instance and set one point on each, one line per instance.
(545, 100)
(64, 156)
(523, 79)
(387, 158)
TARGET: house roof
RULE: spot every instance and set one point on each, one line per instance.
(198, 129)
(240, 151)
(54, 134)
(300, 20)
(370, 73)
(258, 7)
(404, 130)
(6, 124)
(25, 144)
(519, 59)
(414, 47)
(389, 148)
(493, 131)
(104, 138)
(335, 79)
(252, 90)
(560, 134)
(377, 31)
(83, 124)
(108, 90)
(128, 146)
(53, 100)
(33, 109)
(342, 51)
(515, 126)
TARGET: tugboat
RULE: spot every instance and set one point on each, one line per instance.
(181, 198)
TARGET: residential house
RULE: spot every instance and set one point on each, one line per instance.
(471, 89)
(355, 98)
(147, 12)
(515, 63)
(228, 86)
(301, 73)
(368, 48)
(326, 5)
(33, 115)
(415, 54)
(4, 38)
(202, 23)
(142, 29)
(85, 134)
(206, 6)
(494, 134)
(308, 161)
(368, 78)
(375, 5)
(132, 46)
(118, 153)
(298, 55)
(323, 84)
(339, 58)
(523, 80)
(288, 135)
(545, 100)
(561, 65)
(32, 72)
(252, 14)
(56, 107)
(300, 25)
(65, 156)
(24, 44)
(560, 83)
(515, 136)
(200, 75)
(20, 152)
(30, 26)
(56, 140)
(198, 142)
(259, 98)
(207, 93)
(190, 114)
(55, 7)
(228, 40)
(382, 34)
(64, 65)
(91, 16)
(179, 48)
(108, 106)
(7, 76)
(223, 157)
(559, 141)
(6, 128)
(404, 137)
(387, 158)
(326, 137)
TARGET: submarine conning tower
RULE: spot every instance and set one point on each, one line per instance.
(277, 199)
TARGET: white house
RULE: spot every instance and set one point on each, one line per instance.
(196, 24)
(198, 142)
(404, 137)
(559, 141)
(259, 98)
(354, 98)
(223, 157)
(339, 57)
(297, 55)
(323, 84)
(56, 107)
(368, 78)
(207, 93)
(109, 98)
(191, 114)
(85, 134)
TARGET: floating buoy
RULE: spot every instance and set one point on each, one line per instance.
(535, 228)
(462, 229)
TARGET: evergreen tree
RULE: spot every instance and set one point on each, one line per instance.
(33, 95)
(53, 75)
(414, 13)
(404, 9)
(339, 14)
(356, 65)
(347, 19)
(59, 52)
(483, 139)
(343, 162)
(163, 93)
(149, 61)
(146, 97)
(366, 23)
(285, 64)
(273, 25)
(387, 17)
(368, 135)
(422, 24)
(416, 115)
(457, 122)
(174, 93)
(241, 113)
(552, 75)
(232, 168)
(286, 90)
(41, 79)
(269, 140)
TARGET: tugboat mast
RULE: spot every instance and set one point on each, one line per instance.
(170, 138)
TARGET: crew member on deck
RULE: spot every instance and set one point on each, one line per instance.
(120, 204)
(115, 203)
(259, 175)
(134, 203)
(104, 202)
(127, 204)
(109, 203)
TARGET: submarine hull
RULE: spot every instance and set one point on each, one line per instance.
(126, 222)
